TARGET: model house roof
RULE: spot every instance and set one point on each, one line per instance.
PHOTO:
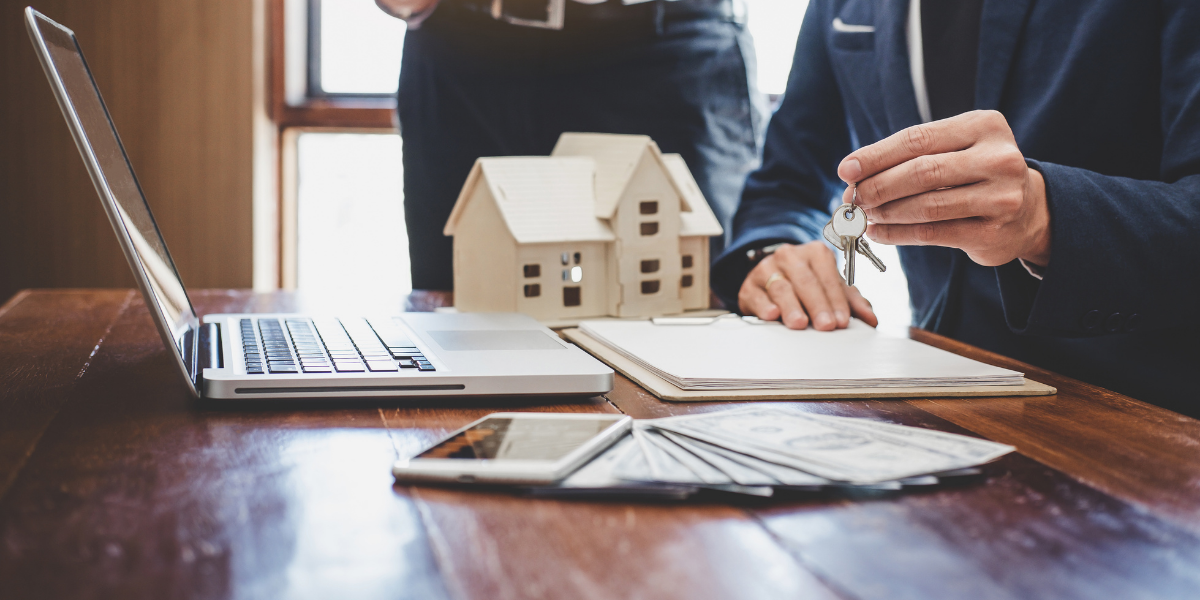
(542, 198)
(697, 218)
(616, 157)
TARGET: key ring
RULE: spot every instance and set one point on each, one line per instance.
(849, 215)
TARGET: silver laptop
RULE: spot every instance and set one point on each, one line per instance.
(250, 356)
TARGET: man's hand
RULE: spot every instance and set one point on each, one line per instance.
(959, 182)
(806, 290)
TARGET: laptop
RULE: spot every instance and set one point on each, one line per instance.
(256, 356)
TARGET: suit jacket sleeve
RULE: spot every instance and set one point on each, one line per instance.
(1125, 254)
(788, 198)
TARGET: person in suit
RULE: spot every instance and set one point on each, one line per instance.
(1038, 163)
(499, 78)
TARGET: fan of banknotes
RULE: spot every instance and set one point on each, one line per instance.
(761, 450)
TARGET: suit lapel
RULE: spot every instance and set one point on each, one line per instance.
(999, 31)
(900, 100)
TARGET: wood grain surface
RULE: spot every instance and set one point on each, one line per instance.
(114, 483)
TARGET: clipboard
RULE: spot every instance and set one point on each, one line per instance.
(665, 390)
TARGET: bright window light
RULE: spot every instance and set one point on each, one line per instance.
(360, 48)
(350, 230)
(576, 274)
(774, 25)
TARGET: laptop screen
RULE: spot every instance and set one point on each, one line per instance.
(113, 176)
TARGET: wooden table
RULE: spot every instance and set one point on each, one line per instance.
(113, 483)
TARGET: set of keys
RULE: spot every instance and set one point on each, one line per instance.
(845, 231)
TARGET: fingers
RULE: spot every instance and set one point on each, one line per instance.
(783, 293)
(753, 299)
(825, 270)
(811, 294)
(804, 288)
(939, 205)
(954, 234)
(861, 308)
(917, 176)
(948, 135)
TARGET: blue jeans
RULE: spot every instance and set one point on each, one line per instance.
(472, 87)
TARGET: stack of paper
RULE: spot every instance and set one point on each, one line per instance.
(758, 450)
(733, 354)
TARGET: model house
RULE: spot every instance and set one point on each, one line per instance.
(607, 225)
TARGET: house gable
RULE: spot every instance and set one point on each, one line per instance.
(616, 157)
(484, 253)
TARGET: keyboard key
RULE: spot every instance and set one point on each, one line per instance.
(282, 368)
(350, 368)
(381, 365)
(425, 367)
(324, 369)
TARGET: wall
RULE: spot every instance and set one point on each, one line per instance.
(179, 77)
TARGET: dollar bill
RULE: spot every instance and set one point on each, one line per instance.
(830, 447)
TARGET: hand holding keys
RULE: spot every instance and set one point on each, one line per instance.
(845, 231)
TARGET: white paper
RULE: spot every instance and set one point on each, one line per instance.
(733, 354)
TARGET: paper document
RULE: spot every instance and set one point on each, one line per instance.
(732, 354)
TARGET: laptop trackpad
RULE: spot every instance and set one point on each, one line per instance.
(528, 339)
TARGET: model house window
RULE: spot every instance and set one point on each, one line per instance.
(650, 287)
(649, 266)
(566, 258)
(686, 281)
(533, 270)
(571, 296)
(578, 258)
(650, 228)
(649, 207)
(687, 261)
(576, 274)
(566, 274)
(533, 290)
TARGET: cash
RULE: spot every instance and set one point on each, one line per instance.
(762, 449)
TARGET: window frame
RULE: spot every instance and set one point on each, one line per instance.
(315, 112)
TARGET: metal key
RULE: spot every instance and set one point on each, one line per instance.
(865, 250)
(849, 223)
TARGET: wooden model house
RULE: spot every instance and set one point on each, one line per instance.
(605, 226)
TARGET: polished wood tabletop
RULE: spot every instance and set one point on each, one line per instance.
(114, 483)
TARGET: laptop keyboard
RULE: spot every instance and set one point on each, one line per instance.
(299, 345)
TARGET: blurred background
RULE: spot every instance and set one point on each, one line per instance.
(262, 132)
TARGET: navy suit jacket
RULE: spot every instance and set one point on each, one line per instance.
(1104, 100)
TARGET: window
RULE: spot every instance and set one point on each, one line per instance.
(687, 281)
(650, 228)
(649, 266)
(348, 204)
(578, 258)
(533, 271)
(649, 207)
(687, 261)
(576, 274)
(533, 290)
(571, 296)
(650, 287)
(334, 66)
(566, 258)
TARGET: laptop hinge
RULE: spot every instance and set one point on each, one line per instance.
(208, 350)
